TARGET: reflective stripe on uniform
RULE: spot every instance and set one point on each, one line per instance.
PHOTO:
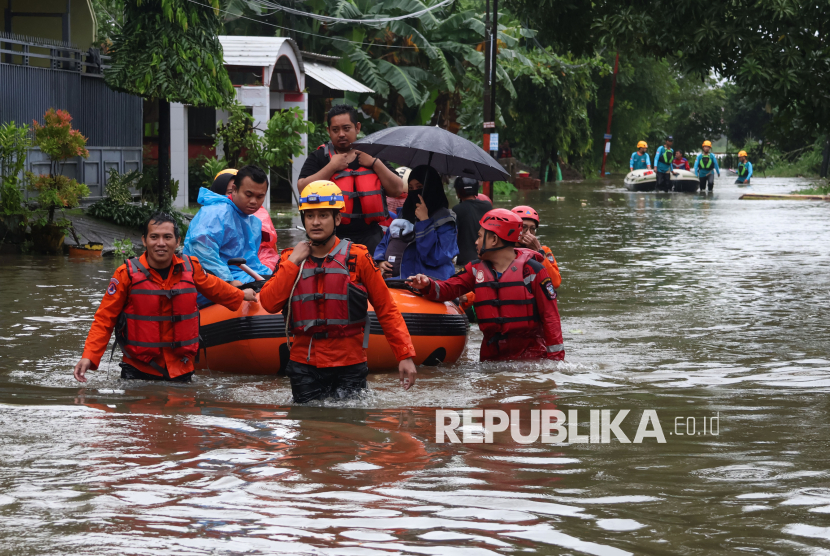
(173, 318)
(308, 272)
(554, 349)
(317, 296)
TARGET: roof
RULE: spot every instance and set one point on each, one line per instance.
(333, 78)
(258, 51)
(321, 57)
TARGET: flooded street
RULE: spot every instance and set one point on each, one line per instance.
(693, 306)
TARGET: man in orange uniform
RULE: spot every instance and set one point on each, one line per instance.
(528, 240)
(324, 285)
(159, 329)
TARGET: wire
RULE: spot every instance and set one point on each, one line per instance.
(329, 19)
(311, 34)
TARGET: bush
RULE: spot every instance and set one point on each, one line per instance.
(131, 216)
(119, 185)
(14, 144)
(503, 188)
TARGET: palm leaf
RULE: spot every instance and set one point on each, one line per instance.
(366, 70)
(442, 69)
(405, 80)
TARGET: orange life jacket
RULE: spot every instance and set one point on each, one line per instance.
(363, 183)
(139, 328)
(344, 304)
(506, 304)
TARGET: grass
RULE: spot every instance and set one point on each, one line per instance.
(815, 190)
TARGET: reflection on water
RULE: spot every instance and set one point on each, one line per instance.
(690, 305)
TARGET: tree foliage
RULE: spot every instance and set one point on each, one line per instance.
(169, 50)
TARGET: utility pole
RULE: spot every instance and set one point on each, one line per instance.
(494, 40)
(610, 115)
(488, 115)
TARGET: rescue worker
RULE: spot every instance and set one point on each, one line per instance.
(423, 239)
(323, 286)
(639, 158)
(158, 331)
(468, 212)
(662, 164)
(515, 300)
(744, 169)
(226, 228)
(267, 254)
(680, 162)
(705, 167)
(528, 240)
(364, 180)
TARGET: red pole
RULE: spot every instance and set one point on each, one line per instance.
(610, 114)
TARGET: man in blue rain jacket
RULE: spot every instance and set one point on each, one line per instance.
(225, 228)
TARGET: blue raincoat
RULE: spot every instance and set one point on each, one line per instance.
(432, 252)
(220, 232)
(659, 164)
(703, 172)
(639, 161)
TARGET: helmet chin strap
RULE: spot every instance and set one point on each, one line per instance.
(483, 251)
(316, 243)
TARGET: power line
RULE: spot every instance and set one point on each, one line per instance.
(330, 19)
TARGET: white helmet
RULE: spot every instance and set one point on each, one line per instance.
(403, 172)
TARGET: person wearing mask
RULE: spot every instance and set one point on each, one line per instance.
(744, 169)
(151, 304)
(325, 284)
(515, 300)
(528, 240)
(662, 164)
(366, 182)
(705, 167)
(680, 162)
(639, 158)
(423, 239)
(267, 254)
(226, 228)
(468, 212)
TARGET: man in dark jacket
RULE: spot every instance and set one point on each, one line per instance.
(468, 211)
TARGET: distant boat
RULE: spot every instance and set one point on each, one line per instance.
(646, 180)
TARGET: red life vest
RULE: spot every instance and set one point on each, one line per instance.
(139, 330)
(506, 305)
(363, 183)
(344, 304)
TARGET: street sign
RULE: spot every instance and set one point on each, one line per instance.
(608, 147)
(494, 141)
(607, 137)
(489, 125)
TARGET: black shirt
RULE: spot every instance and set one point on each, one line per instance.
(355, 230)
(469, 214)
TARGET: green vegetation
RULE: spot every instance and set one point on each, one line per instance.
(14, 144)
(815, 190)
(503, 188)
(123, 248)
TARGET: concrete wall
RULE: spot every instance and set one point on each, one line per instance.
(178, 151)
(82, 24)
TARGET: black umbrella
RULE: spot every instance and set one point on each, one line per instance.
(446, 152)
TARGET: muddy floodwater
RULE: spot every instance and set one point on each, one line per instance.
(710, 311)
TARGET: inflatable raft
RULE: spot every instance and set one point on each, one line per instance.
(252, 341)
(646, 180)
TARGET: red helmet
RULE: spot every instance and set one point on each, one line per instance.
(503, 223)
(525, 211)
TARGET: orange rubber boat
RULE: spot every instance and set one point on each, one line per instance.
(252, 341)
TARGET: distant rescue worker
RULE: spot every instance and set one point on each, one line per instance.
(706, 165)
(662, 164)
(226, 228)
(365, 180)
(680, 162)
(151, 304)
(267, 254)
(528, 240)
(468, 211)
(639, 158)
(515, 300)
(323, 286)
(744, 168)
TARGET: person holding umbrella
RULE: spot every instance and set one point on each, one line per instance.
(423, 239)
(365, 180)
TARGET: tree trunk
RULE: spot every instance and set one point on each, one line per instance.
(164, 152)
(825, 160)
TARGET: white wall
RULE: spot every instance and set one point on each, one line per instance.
(178, 151)
(278, 102)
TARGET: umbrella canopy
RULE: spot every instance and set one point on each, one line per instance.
(446, 152)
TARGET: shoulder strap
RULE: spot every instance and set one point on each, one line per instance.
(188, 264)
(134, 264)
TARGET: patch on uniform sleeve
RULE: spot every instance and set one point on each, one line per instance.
(460, 272)
(112, 288)
(547, 287)
(372, 260)
(550, 257)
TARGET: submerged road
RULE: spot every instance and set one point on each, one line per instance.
(695, 307)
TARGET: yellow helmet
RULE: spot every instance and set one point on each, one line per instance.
(322, 194)
(742, 153)
(233, 171)
(707, 143)
(642, 145)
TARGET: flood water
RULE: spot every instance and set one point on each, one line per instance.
(692, 306)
